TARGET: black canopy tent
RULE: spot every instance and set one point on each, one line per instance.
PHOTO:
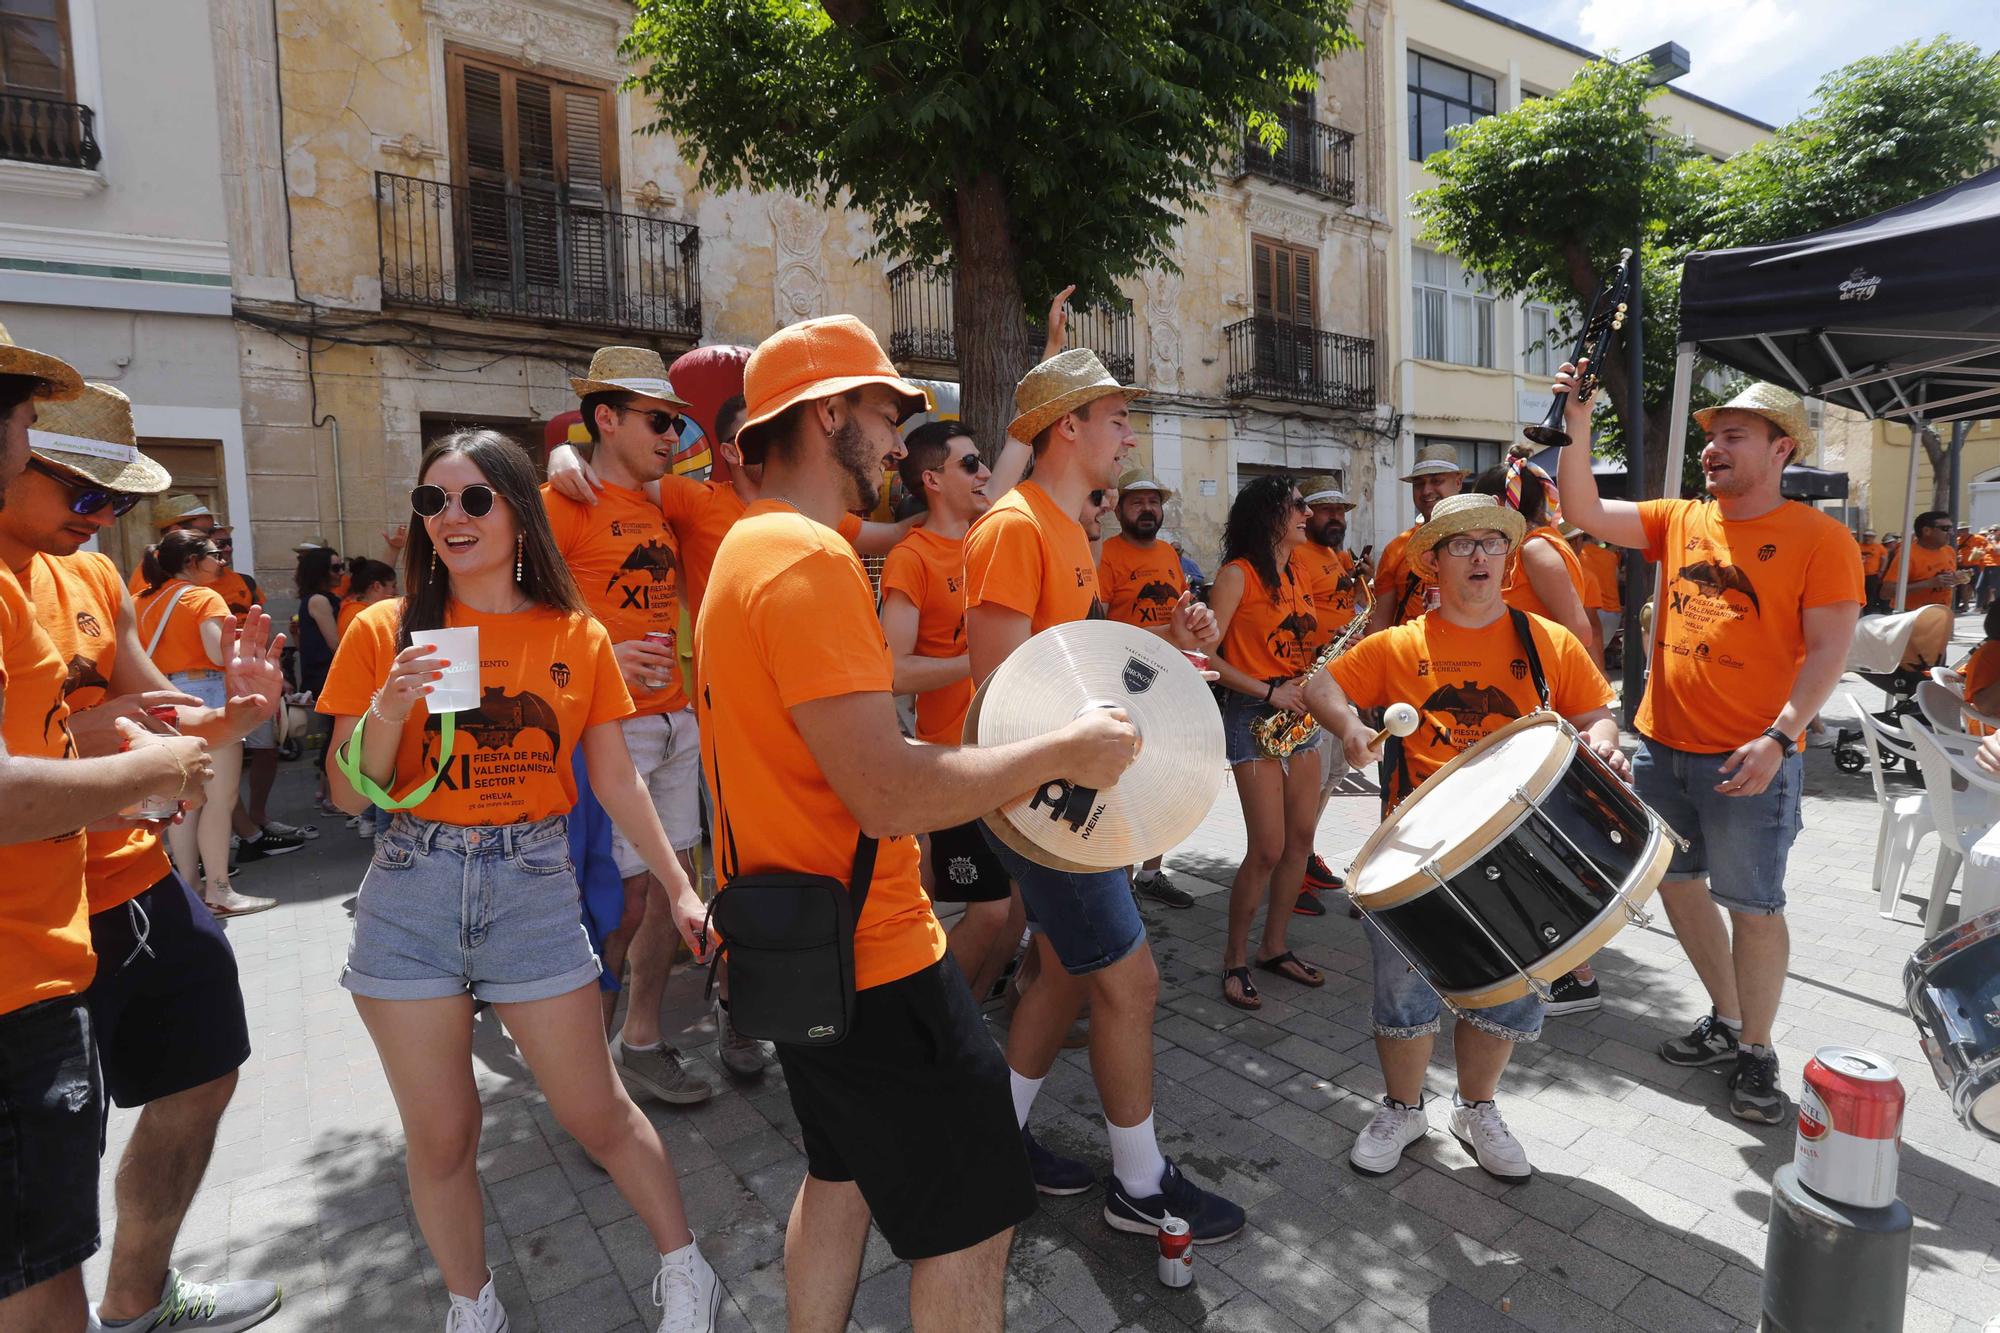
(1896, 316)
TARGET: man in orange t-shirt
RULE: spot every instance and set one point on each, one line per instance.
(1758, 602)
(1874, 555)
(1330, 574)
(1399, 594)
(1028, 566)
(905, 1121)
(1933, 564)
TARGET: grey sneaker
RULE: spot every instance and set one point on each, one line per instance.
(1710, 1043)
(1162, 890)
(1753, 1088)
(660, 1073)
(212, 1307)
(745, 1057)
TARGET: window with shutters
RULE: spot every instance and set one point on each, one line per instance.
(34, 49)
(1283, 291)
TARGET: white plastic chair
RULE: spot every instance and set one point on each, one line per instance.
(1965, 806)
(1941, 706)
(1905, 822)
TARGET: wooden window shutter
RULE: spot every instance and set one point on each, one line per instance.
(485, 125)
(1302, 287)
(583, 148)
(1263, 280)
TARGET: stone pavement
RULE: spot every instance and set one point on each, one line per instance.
(1647, 1212)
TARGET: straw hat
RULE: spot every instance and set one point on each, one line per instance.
(810, 360)
(1323, 491)
(1457, 514)
(1135, 479)
(92, 436)
(1781, 407)
(1434, 458)
(61, 378)
(175, 510)
(1063, 383)
(627, 370)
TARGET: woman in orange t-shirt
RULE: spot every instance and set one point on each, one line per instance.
(181, 622)
(369, 582)
(489, 814)
(1544, 578)
(1267, 625)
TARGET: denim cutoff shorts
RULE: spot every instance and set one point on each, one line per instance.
(1405, 1006)
(1239, 745)
(1738, 843)
(447, 909)
(1091, 920)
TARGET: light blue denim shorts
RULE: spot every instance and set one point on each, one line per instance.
(1405, 1006)
(446, 909)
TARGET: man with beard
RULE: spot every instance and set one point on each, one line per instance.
(1330, 575)
(1400, 595)
(1140, 579)
(1758, 605)
(1933, 564)
(1028, 566)
(905, 1121)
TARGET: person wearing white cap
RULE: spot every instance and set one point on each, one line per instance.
(1399, 593)
(1330, 575)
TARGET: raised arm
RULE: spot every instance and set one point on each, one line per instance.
(1614, 521)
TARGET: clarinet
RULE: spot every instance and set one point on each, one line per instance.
(1607, 316)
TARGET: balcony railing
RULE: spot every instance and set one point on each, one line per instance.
(1314, 157)
(55, 134)
(920, 301)
(495, 251)
(1293, 363)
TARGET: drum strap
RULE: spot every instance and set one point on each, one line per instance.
(1395, 776)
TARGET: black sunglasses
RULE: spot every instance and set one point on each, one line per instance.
(475, 500)
(969, 465)
(1097, 496)
(662, 422)
(87, 497)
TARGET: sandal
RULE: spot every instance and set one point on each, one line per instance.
(1240, 975)
(1282, 964)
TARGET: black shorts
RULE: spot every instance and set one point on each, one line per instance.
(166, 1006)
(964, 869)
(51, 1135)
(914, 1108)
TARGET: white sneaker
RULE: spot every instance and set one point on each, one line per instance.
(1485, 1135)
(485, 1315)
(1394, 1128)
(686, 1291)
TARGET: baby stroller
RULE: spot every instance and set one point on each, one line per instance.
(1894, 653)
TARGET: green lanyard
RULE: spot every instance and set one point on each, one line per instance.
(349, 759)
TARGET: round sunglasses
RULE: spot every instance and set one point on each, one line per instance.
(86, 497)
(475, 501)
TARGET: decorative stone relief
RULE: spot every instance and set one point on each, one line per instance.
(798, 289)
(1287, 224)
(534, 35)
(1163, 329)
(411, 146)
(650, 197)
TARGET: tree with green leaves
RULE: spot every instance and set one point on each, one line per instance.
(1028, 143)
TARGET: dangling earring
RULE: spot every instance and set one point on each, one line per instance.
(520, 541)
(434, 562)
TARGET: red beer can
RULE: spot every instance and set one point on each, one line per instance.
(664, 638)
(1176, 1253)
(1850, 1127)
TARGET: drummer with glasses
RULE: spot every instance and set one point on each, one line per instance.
(1469, 667)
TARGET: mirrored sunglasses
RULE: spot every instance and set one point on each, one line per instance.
(86, 496)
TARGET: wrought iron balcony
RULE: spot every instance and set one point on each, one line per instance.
(55, 134)
(920, 301)
(1314, 157)
(500, 252)
(1293, 363)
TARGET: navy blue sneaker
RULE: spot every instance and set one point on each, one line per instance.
(1210, 1217)
(1053, 1172)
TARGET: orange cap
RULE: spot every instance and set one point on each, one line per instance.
(815, 358)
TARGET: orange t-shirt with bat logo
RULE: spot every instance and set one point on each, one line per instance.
(1140, 584)
(1466, 683)
(545, 676)
(1730, 628)
(1271, 638)
(627, 566)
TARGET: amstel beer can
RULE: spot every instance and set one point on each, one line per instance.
(1850, 1127)
(1176, 1253)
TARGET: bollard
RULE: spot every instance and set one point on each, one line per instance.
(1831, 1265)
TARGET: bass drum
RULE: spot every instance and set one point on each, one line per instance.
(1953, 987)
(1512, 864)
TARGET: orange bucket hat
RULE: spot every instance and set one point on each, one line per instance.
(813, 359)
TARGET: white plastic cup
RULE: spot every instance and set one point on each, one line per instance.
(457, 690)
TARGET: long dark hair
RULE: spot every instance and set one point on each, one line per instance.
(314, 573)
(1250, 534)
(364, 574)
(545, 576)
(175, 552)
(1534, 493)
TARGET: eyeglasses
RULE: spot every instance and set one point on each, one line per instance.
(662, 422)
(337, 566)
(87, 497)
(969, 465)
(225, 543)
(1097, 496)
(1300, 505)
(475, 501)
(1464, 546)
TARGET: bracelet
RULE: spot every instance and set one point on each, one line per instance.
(180, 792)
(1270, 690)
(375, 711)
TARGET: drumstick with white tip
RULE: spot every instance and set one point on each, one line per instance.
(1398, 719)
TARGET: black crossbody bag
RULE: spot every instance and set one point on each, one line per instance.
(789, 941)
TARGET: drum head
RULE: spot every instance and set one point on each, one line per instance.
(1458, 811)
(1161, 799)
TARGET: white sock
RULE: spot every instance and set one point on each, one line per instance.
(1025, 1091)
(632, 1047)
(1733, 1024)
(1145, 876)
(1136, 1159)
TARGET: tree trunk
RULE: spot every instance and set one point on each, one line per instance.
(986, 309)
(1940, 456)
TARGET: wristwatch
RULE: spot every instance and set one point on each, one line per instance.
(1785, 743)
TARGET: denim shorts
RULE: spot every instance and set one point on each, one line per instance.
(206, 686)
(1738, 843)
(446, 909)
(1091, 920)
(51, 1135)
(1405, 1006)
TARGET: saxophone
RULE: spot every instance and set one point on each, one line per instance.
(1281, 733)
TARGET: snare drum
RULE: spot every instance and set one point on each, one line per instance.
(1512, 864)
(1953, 985)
